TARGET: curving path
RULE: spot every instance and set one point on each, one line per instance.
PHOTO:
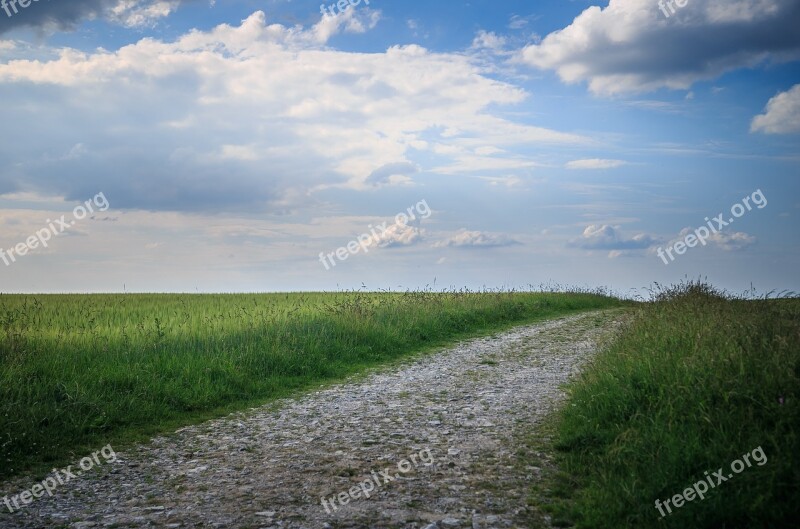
(430, 441)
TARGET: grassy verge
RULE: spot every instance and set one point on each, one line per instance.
(79, 372)
(695, 382)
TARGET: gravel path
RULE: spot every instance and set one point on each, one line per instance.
(430, 441)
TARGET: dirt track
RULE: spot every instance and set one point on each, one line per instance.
(454, 411)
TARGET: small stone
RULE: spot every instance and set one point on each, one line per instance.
(450, 522)
(267, 514)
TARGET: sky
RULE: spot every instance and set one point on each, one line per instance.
(280, 145)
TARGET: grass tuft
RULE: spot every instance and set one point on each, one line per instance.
(696, 380)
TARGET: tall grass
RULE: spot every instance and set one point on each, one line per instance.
(695, 381)
(77, 372)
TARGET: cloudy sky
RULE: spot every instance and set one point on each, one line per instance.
(236, 145)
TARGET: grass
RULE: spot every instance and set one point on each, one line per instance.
(80, 372)
(695, 381)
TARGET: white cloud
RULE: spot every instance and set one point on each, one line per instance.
(606, 237)
(729, 242)
(630, 46)
(518, 22)
(397, 235)
(477, 239)
(595, 163)
(135, 13)
(488, 40)
(782, 115)
(306, 117)
(734, 241)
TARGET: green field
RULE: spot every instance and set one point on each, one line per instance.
(693, 383)
(79, 372)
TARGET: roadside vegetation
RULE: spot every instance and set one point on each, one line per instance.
(694, 381)
(78, 372)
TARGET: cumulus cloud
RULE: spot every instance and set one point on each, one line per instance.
(251, 117)
(397, 234)
(488, 41)
(477, 239)
(135, 13)
(605, 237)
(729, 242)
(594, 163)
(630, 46)
(782, 115)
(734, 241)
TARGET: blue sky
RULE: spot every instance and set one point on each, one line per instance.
(233, 142)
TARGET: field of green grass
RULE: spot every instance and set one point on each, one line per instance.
(693, 383)
(80, 372)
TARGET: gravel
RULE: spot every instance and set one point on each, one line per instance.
(447, 418)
